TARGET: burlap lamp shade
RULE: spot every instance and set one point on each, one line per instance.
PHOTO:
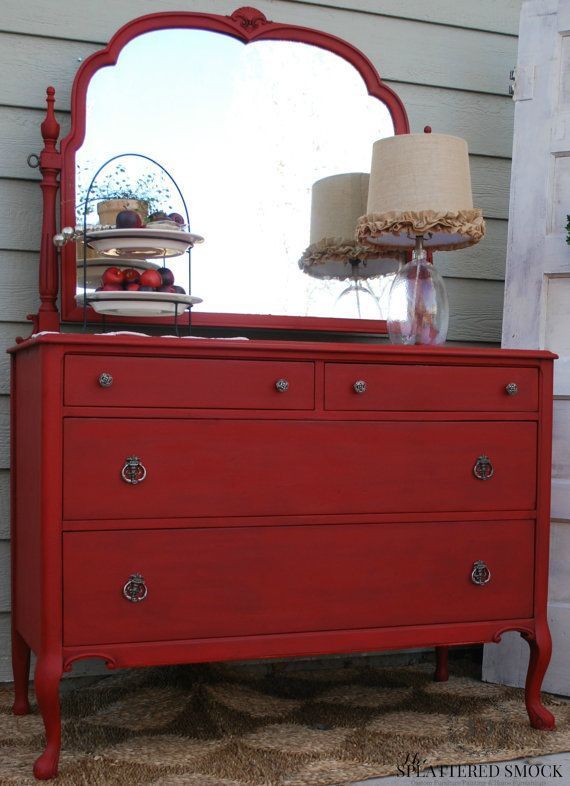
(336, 204)
(420, 185)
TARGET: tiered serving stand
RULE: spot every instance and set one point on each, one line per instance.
(139, 248)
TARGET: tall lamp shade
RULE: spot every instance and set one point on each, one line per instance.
(420, 185)
(336, 204)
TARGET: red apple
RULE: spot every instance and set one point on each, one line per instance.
(112, 276)
(110, 288)
(133, 287)
(131, 276)
(150, 278)
(128, 219)
(167, 276)
(177, 218)
(166, 288)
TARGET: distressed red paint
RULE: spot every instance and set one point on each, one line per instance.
(355, 527)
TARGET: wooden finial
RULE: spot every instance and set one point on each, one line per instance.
(50, 126)
(427, 129)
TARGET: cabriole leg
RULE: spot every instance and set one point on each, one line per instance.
(540, 650)
(47, 677)
(442, 666)
(21, 671)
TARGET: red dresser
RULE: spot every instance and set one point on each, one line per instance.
(182, 500)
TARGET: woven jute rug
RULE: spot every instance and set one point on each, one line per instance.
(224, 725)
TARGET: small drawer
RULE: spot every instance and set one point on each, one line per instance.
(271, 467)
(403, 388)
(118, 381)
(248, 581)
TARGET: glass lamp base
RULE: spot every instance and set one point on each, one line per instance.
(418, 308)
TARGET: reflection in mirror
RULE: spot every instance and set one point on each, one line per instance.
(245, 131)
(337, 203)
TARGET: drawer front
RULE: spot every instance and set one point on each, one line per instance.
(430, 388)
(254, 468)
(265, 580)
(187, 382)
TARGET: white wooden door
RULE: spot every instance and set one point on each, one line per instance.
(537, 292)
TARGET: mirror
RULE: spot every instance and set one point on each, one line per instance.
(245, 131)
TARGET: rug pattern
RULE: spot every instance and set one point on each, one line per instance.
(224, 725)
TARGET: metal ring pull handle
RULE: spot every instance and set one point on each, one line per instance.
(133, 471)
(359, 386)
(105, 380)
(512, 389)
(480, 575)
(483, 469)
(282, 385)
(135, 590)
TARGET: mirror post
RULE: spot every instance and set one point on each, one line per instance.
(50, 167)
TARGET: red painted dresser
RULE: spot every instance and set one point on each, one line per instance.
(185, 500)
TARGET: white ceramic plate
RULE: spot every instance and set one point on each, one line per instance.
(141, 243)
(139, 304)
(100, 264)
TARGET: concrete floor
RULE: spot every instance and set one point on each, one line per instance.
(545, 776)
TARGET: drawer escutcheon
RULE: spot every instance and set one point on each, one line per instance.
(135, 590)
(480, 575)
(483, 469)
(133, 470)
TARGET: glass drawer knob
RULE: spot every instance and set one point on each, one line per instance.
(105, 380)
(135, 589)
(512, 389)
(282, 386)
(359, 386)
(480, 574)
(133, 471)
(483, 469)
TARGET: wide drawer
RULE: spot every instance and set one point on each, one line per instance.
(224, 467)
(394, 387)
(260, 580)
(187, 382)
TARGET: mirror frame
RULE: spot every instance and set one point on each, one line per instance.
(247, 25)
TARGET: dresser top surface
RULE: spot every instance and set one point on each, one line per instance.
(309, 350)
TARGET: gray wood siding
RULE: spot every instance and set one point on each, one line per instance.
(35, 16)
(447, 59)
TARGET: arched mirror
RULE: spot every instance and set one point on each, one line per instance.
(245, 132)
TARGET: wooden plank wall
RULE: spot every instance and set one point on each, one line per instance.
(448, 59)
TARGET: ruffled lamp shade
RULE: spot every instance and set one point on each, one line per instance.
(420, 185)
(336, 204)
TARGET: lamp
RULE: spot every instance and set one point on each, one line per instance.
(419, 197)
(336, 203)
